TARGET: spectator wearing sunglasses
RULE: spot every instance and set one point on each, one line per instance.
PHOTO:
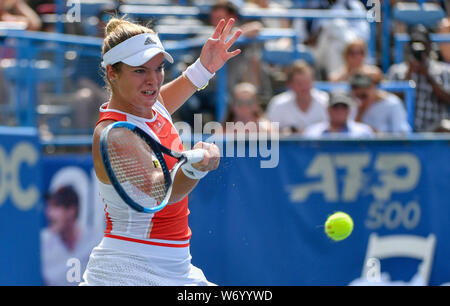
(354, 59)
(245, 108)
(381, 110)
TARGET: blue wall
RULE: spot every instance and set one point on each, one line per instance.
(264, 226)
(20, 209)
(254, 226)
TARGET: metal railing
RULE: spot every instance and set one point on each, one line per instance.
(146, 11)
(27, 46)
(26, 71)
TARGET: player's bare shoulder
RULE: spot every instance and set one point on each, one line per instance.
(96, 155)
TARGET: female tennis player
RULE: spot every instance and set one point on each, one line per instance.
(141, 248)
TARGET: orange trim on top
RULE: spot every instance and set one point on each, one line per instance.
(111, 115)
(108, 220)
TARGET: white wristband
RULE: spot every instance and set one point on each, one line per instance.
(193, 173)
(198, 74)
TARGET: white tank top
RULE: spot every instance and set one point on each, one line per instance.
(168, 227)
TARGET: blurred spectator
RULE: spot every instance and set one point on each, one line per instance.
(383, 111)
(354, 56)
(245, 108)
(307, 30)
(301, 105)
(272, 6)
(282, 43)
(432, 80)
(224, 9)
(330, 36)
(339, 123)
(63, 240)
(15, 14)
(20, 11)
(247, 67)
(444, 28)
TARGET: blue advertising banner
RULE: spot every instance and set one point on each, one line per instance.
(255, 226)
(20, 198)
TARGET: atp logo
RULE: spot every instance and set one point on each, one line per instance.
(322, 176)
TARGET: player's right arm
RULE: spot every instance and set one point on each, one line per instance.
(182, 184)
(98, 163)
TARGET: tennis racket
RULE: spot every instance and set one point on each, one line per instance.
(136, 168)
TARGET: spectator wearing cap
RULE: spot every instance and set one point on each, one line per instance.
(301, 105)
(63, 240)
(381, 110)
(339, 123)
(432, 80)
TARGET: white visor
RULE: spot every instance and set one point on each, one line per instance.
(136, 51)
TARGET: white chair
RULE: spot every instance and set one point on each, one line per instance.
(409, 246)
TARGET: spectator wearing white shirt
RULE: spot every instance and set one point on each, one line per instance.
(301, 105)
(383, 111)
(339, 123)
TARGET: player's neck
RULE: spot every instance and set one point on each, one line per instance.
(129, 108)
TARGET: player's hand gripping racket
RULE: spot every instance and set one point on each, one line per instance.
(136, 168)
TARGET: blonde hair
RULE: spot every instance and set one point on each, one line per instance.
(299, 67)
(245, 87)
(355, 43)
(118, 30)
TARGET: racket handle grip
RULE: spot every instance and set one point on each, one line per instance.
(194, 156)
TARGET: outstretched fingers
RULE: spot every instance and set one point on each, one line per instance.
(227, 29)
(219, 29)
(233, 39)
(234, 53)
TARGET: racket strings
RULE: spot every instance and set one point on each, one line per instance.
(131, 159)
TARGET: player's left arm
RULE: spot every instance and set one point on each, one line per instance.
(213, 56)
(183, 185)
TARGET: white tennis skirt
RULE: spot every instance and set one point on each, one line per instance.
(117, 262)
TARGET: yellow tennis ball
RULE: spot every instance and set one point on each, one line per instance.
(339, 226)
